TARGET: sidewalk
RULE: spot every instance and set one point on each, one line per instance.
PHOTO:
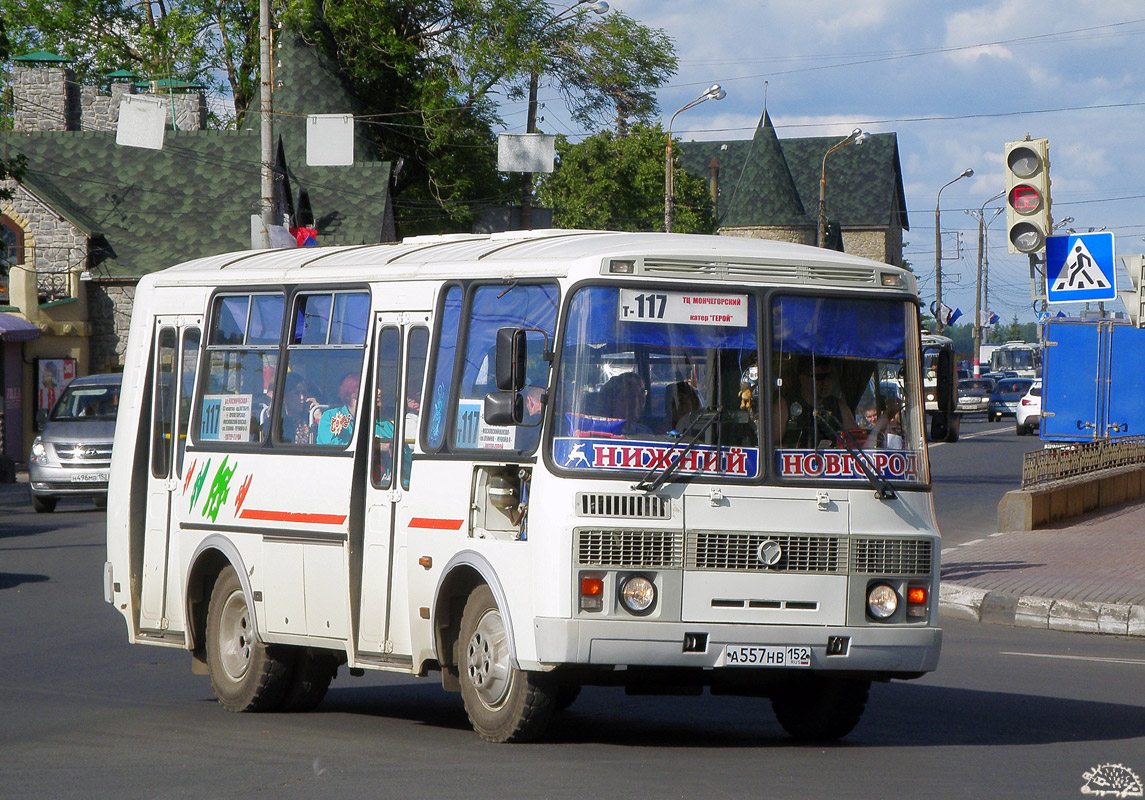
(1086, 574)
(16, 494)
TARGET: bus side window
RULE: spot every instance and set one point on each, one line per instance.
(241, 366)
(416, 350)
(190, 368)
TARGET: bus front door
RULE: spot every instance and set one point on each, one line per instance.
(174, 354)
(399, 370)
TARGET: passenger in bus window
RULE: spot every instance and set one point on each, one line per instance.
(681, 402)
(298, 405)
(624, 398)
(337, 424)
(816, 389)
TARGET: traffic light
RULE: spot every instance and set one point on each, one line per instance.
(1027, 195)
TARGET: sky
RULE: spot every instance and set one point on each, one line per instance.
(955, 81)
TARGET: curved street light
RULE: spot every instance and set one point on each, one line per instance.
(714, 92)
(857, 136)
(966, 173)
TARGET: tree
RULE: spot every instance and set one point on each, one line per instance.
(10, 168)
(615, 182)
(192, 40)
(428, 73)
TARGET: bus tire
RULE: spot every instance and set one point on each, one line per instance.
(817, 708)
(310, 677)
(246, 674)
(504, 704)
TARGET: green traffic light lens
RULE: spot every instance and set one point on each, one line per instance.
(1026, 237)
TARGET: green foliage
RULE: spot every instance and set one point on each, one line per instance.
(611, 182)
(426, 72)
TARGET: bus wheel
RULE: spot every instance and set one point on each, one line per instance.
(246, 674)
(504, 704)
(816, 708)
(310, 677)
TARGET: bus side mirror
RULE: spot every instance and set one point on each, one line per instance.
(512, 351)
(504, 408)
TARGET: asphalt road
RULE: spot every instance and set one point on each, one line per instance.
(971, 476)
(1009, 713)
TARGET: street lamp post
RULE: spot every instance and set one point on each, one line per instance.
(980, 215)
(596, 7)
(856, 137)
(714, 92)
(966, 173)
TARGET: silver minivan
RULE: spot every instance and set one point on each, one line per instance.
(72, 455)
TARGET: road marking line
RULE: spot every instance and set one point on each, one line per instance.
(1099, 659)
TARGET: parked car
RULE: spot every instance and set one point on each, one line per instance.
(974, 395)
(72, 455)
(1006, 397)
(1028, 417)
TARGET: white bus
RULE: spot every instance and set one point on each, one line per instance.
(530, 462)
(1024, 358)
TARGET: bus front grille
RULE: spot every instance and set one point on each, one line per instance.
(623, 548)
(742, 552)
(629, 506)
(891, 556)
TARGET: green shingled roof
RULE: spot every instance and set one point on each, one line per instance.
(758, 177)
(195, 197)
(149, 209)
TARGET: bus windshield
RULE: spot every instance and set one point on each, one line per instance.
(846, 388)
(647, 372)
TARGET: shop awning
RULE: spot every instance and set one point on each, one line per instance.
(16, 329)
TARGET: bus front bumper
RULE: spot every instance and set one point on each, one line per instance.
(876, 649)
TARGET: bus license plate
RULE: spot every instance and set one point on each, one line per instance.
(754, 655)
(89, 477)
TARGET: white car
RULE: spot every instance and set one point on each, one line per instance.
(1028, 417)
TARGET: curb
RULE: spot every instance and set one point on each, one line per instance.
(1027, 611)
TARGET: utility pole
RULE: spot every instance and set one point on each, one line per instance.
(266, 107)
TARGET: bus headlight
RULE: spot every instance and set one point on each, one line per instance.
(882, 601)
(638, 594)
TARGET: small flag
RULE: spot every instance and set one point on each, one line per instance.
(954, 317)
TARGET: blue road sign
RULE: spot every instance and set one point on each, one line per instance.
(1080, 268)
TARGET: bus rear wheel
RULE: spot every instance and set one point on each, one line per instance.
(817, 708)
(246, 674)
(504, 704)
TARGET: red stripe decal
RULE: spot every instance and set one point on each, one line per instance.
(293, 516)
(436, 524)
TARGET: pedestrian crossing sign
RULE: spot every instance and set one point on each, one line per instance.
(1080, 268)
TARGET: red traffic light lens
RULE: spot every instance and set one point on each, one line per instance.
(1025, 199)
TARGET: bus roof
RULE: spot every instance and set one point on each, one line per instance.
(546, 253)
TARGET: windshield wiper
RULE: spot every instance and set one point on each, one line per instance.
(696, 428)
(883, 490)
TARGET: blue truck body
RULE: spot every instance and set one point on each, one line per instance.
(1093, 380)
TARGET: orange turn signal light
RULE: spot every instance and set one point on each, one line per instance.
(591, 587)
(916, 595)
